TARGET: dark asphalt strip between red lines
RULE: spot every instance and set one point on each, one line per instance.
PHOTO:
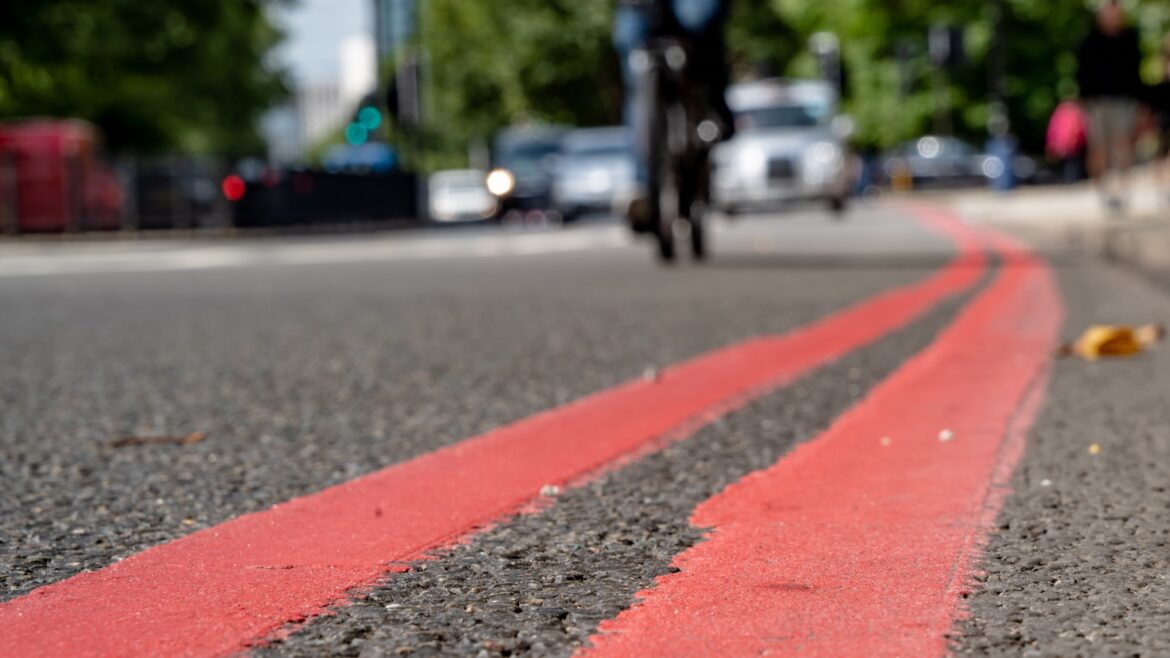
(224, 589)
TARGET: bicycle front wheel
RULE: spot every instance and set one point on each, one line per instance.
(662, 182)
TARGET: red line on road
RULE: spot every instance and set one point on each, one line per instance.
(861, 542)
(223, 589)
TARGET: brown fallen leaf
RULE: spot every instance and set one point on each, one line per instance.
(1114, 341)
(133, 441)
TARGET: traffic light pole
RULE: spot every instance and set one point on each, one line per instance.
(944, 47)
(997, 66)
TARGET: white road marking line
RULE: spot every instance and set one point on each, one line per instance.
(43, 262)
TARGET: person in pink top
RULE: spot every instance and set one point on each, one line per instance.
(1067, 140)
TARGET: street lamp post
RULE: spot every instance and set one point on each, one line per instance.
(945, 46)
(1001, 144)
(827, 48)
(997, 65)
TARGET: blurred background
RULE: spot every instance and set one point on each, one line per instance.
(240, 113)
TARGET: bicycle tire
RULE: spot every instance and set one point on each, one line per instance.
(698, 239)
(659, 168)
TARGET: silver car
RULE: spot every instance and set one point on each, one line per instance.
(460, 195)
(595, 166)
(789, 147)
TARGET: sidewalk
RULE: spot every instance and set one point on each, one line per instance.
(1069, 220)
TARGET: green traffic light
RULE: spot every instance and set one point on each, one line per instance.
(356, 134)
(370, 117)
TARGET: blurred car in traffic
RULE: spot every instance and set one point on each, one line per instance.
(523, 162)
(934, 161)
(595, 165)
(789, 147)
(460, 195)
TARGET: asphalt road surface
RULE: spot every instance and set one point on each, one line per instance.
(306, 363)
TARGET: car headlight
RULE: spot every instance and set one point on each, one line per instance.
(824, 153)
(721, 156)
(501, 182)
(754, 160)
(993, 167)
(598, 181)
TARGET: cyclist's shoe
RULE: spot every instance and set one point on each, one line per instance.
(633, 205)
(638, 213)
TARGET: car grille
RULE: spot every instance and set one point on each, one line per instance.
(781, 169)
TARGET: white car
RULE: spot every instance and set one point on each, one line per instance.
(595, 166)
(460, 195)
(789, 147)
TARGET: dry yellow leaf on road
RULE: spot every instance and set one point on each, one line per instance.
(1114, 341)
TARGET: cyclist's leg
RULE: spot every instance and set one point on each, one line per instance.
(704, 20)
(631, 31)
(717, 78)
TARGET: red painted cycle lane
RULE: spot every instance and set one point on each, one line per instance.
(223, 589)
(860, 542)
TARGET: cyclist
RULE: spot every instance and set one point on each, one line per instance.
(701, 24)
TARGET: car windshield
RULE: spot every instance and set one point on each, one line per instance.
(597, 151)
(930, 147)
(597, 143)
(460, 182)
(528, 157)
(779, 116)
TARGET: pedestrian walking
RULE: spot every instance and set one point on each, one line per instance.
(1109, 74)
(1067, 141)
(1158, 98)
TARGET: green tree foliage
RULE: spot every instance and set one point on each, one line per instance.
(895, 100)
(495, 63)
(186, 75)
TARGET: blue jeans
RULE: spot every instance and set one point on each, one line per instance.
(695, 16)
(631, 29)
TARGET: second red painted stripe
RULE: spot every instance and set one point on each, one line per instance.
(860, 542)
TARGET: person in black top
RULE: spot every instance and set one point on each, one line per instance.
(701, 23)
(1158, 98)
(1109, 75)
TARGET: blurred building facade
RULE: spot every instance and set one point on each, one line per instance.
(281, 129)
(321, 110)
(326, 106)
(359, 67)
(395, 25)
(322, 107)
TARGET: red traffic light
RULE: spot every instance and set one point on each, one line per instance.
(234, 188)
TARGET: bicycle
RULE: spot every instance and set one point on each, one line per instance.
(676, 139)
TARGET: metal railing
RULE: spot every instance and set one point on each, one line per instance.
(185, 193)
